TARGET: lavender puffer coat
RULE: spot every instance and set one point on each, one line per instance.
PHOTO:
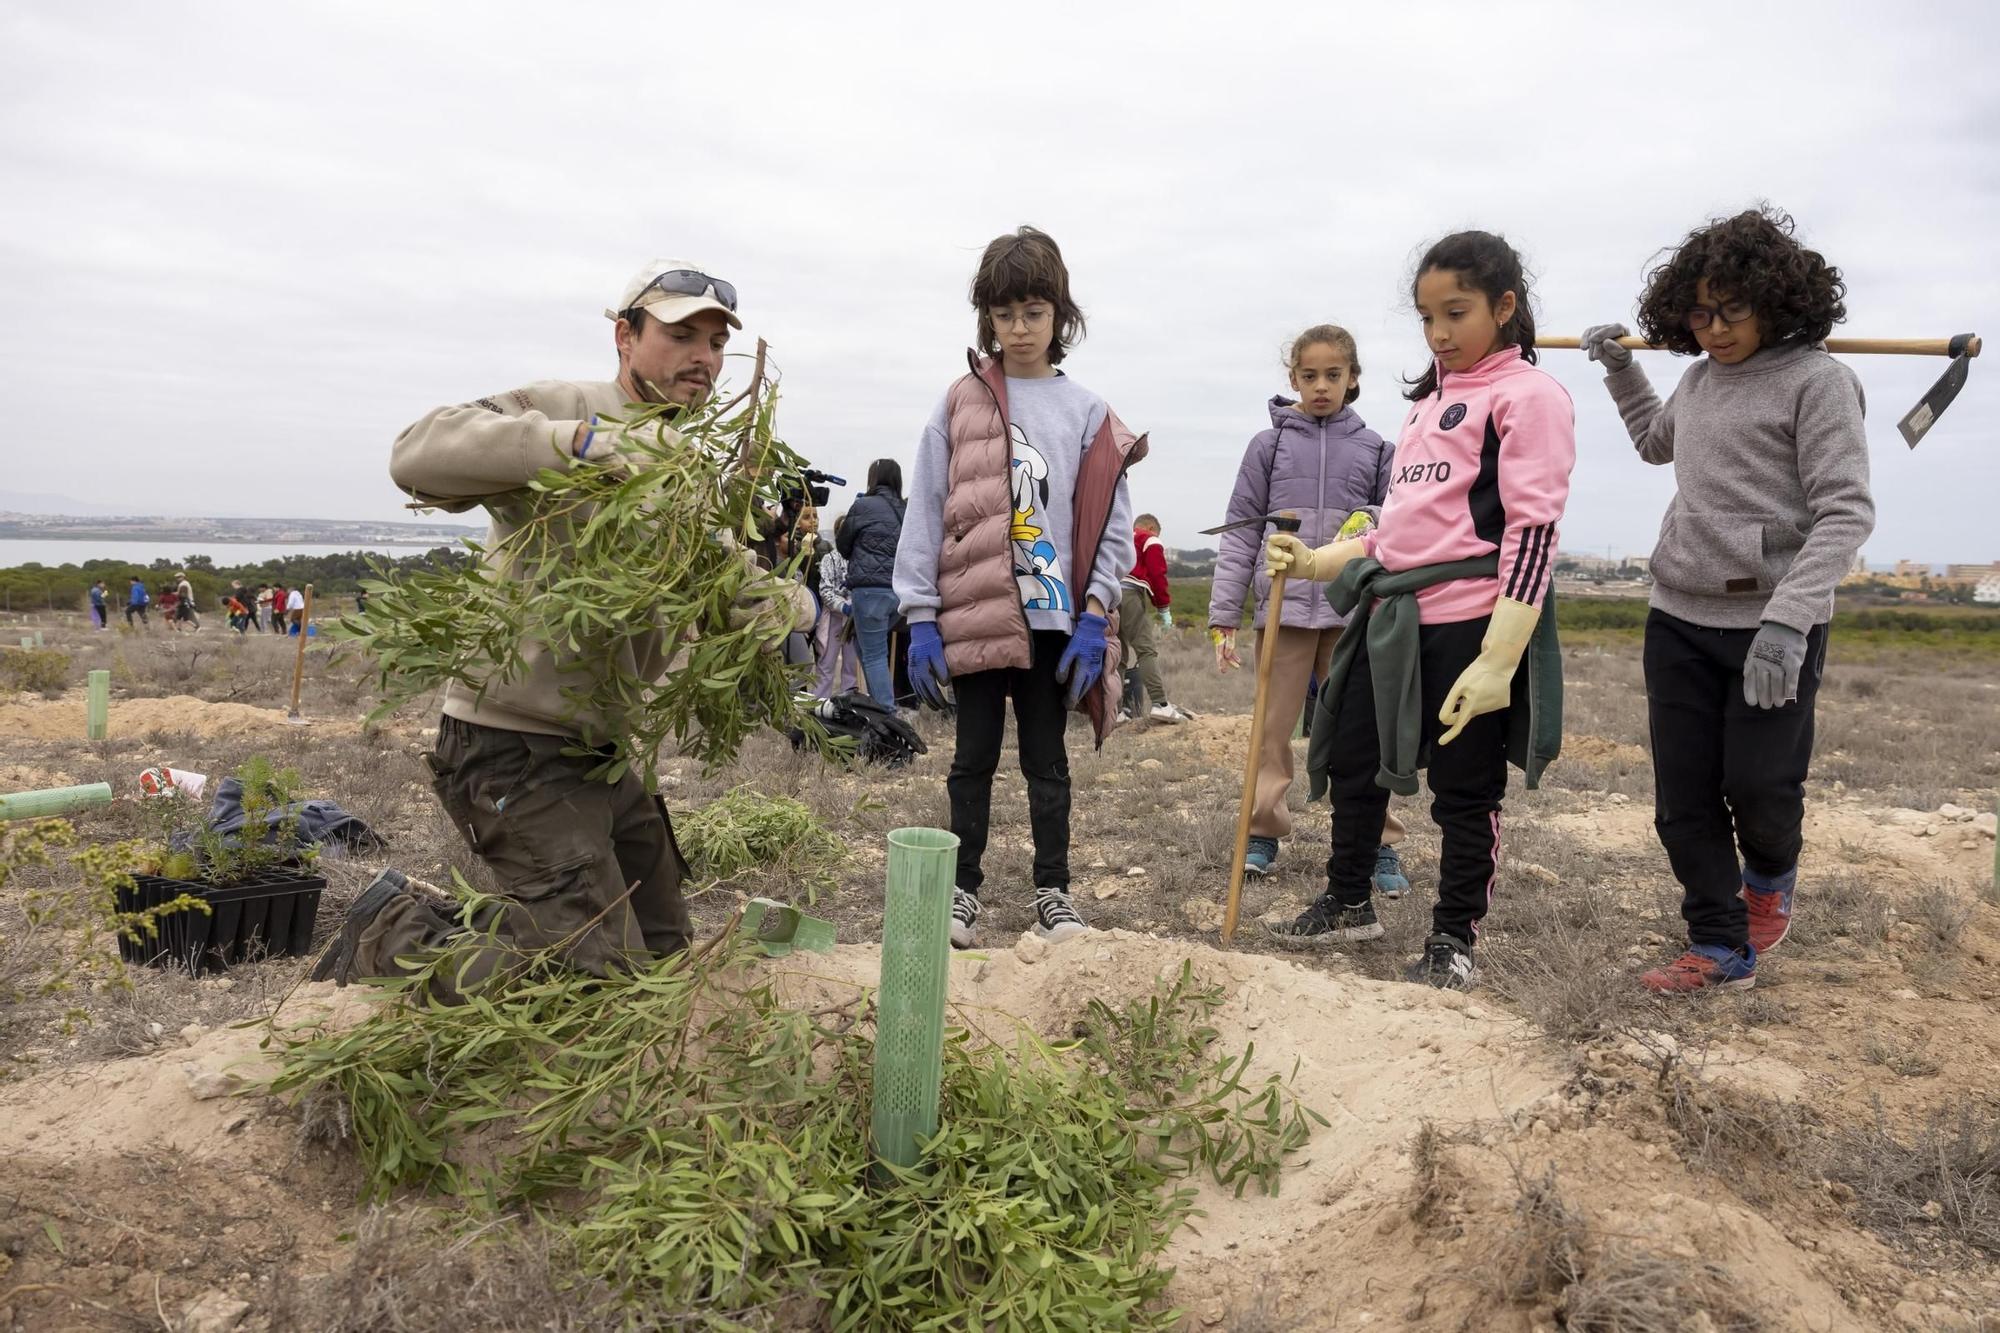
(1323, 470)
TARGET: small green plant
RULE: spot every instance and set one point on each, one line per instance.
(185, 846)
(779, 839)
(67, 935)
(598, 559)
(42, 671)
(702, 1149)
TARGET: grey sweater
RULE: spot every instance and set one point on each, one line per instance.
(1771, 463)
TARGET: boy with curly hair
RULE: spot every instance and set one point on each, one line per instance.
(1771, 465)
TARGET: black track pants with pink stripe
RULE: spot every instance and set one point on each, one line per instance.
(1467, 779)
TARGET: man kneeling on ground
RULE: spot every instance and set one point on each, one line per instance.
(581, 861)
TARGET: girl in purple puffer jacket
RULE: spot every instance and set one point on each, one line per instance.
(1319, 460)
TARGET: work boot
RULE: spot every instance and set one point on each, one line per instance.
(338, 960)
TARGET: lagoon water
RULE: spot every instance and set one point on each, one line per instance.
(141, 554)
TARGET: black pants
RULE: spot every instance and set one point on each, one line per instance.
(1467, 779)
(1727, 775)
(1039, 719)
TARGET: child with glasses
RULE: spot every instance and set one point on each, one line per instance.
(1018, 530)
(1771, 464)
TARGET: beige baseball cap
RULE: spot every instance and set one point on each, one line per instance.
(671, 290)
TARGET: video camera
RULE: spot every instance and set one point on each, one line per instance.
(819, 484)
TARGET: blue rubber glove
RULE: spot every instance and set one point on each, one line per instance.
(929, 676)
(1082, 664)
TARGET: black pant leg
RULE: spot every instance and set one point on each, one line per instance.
(1359, 802)
(982, 721)
(1766, 752)
(1692, 675)
(1039, 723)
(1468, 780)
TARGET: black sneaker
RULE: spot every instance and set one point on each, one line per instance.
(1055, 915)
(1446, 964)
(1327, 922)
(338, 960)
(964, 916)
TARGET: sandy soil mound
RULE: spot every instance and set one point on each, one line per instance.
(63, 719)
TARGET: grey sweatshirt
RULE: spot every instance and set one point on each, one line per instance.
(1771, 462)
(1052, 422)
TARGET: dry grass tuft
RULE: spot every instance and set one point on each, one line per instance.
(1941, 1183)
(407, 1273)
(1435, 1183)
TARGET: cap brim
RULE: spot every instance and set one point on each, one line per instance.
(679, 309)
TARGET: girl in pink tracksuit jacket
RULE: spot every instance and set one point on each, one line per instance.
(1481, 473)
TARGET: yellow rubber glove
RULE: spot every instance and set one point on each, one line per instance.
(1486, 686)
(1285, 553)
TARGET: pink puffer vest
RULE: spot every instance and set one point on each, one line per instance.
(979, 614)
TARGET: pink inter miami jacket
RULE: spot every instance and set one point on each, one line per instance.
(1482, 466)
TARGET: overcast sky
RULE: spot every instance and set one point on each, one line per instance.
(242, 245)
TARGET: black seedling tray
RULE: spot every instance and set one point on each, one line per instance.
(269, 915)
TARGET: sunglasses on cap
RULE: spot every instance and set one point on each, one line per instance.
(688, 282)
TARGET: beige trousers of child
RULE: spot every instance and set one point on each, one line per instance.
(1301, 654)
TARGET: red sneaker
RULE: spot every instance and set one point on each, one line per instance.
(1702, 967)
(1770, 916)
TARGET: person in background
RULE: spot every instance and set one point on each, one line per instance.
(1146, 583)
(184, 611)
(838, 660)
(99, 616)
(1321, 461)
(136, 600)
(295, 611)
(278, 602)
(264, 607)
(867, 541)
(361, 601)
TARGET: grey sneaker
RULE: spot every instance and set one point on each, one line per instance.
(1327, 922)
(964, 916)
(1055, 915)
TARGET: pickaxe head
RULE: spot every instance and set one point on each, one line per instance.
(1287, 521)
(1931, 406)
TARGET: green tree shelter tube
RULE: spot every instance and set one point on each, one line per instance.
(97, 717)
(916, 970)
(59, 801)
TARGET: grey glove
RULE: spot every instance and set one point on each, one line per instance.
(1771, 671)
(1600, 343)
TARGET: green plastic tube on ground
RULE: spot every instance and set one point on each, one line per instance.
(916, 973)
(53, 801)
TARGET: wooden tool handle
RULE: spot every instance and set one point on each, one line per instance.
(1844, 346)
(1267, 656)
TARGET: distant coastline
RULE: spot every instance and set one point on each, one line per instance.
(231, 531)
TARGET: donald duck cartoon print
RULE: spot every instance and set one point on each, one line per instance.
(1037, 565)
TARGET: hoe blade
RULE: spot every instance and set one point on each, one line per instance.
(1924, 415)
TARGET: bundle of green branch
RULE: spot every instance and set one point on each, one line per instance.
(602, 559)
(774, 838)
(702, 1148)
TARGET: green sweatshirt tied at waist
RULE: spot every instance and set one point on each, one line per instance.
(1382, 611)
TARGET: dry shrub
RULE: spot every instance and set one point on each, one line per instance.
(1756, 1143)
(1941, 1182)
(1550, 1258)
(408, 1273)
(1842, 905)
(42, 671)
(1435, 1183)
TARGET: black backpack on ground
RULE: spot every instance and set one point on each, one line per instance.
(879, 736)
